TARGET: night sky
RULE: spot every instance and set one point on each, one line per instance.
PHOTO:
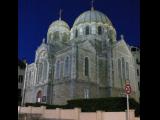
(35, 16)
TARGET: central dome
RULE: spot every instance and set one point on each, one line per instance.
(92, 16)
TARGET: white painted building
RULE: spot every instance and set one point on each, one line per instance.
(86, 61)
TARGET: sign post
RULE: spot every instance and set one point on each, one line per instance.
(128, 91)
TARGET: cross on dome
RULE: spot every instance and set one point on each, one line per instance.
(122, 37)
(60, 14)
(43, 40)
(92, 4)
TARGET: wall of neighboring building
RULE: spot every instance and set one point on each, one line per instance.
(21, 75)
(136, 58)
(72, 114)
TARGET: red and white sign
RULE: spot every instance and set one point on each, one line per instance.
(128, 88)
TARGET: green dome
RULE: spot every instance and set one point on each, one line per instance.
(92, 16)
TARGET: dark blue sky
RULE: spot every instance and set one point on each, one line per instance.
(35, 16)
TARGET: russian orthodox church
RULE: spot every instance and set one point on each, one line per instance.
(85, 61)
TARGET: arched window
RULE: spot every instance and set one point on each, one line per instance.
(99, 30)
(40, 68)
(76, 33)
(65, 37)
(137, 72)
(86, 66)
(27, 75)
(45, 70)
(67, 66)
(58, 70)
(56, 35)
(30, 79)
(123, 69)
(127, 71)
(120, 71)
(87, 30)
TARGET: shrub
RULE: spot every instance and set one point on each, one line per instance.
(110, 104)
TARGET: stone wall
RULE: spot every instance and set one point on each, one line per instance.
(41, 113)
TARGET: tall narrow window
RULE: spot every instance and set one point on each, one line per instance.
(87, 30)
(127, 71)
(40, 68)
(99, 30)
(120, 71)
(123, 69)
(76, 33)
(137, 61)
(66, 68)
(29, 81)
(137, 72)
(86, 66)
(45, 70)
(20, 80)
(58, 70)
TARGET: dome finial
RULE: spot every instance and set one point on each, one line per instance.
(92, 4)
(122, 37)
(43, 41)
(60, 14)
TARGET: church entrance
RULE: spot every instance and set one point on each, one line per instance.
(39, 97)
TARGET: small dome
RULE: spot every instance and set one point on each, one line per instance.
(92, 16)
(58, 31)
(59, 23)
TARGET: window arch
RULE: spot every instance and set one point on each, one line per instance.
(99, 30)
(86, 66)
(67, 66)
(87, 30)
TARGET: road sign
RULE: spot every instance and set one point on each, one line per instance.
(128, 88)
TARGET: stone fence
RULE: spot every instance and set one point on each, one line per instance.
(41, 113)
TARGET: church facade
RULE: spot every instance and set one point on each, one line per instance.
(86, 61)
